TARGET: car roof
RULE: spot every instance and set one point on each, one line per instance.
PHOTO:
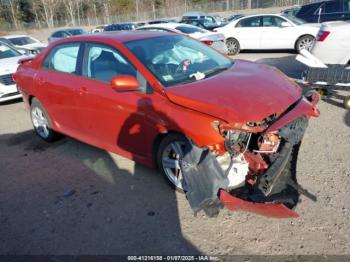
(167, 25)
(119, 36)
(195, 13)
(14, 36)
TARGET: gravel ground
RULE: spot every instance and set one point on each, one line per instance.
(71, 198)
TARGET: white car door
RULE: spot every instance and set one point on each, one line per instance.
(247, 31)
(277, 33)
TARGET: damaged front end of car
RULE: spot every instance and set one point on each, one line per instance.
(257, 170)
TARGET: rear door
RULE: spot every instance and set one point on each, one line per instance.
(56, 86)
(248, 32)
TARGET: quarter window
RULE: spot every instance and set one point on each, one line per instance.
(63, 58)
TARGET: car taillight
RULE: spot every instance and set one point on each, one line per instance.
(207, 42)
(322, 35)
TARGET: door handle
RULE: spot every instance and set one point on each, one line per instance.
(83, 90)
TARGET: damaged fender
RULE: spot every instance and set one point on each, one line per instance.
(274, 192)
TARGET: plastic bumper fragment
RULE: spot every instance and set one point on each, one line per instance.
(265, 209)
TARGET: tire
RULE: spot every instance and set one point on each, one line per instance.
(305, 42)
(42, 122)
(168, 159)
(233, 46)
(347, 102)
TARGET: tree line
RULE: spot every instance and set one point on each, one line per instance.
(19, 14)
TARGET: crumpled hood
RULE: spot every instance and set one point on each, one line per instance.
(247, 92)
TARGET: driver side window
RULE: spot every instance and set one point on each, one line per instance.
(103, 63)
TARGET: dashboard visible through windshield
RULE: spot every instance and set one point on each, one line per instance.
(178, 59)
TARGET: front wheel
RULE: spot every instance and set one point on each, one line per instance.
(233, 47)
(41, 122)
(171, 151)
(305, 42)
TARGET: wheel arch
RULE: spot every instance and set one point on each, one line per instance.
(298, 38)
(156, 143)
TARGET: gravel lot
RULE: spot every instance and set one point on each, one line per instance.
(71, 198)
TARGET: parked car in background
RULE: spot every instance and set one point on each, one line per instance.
(203, 23)
(161, 21)
(268, 31)
(212, 39)
(64, 33)
(213, 19)
(291, 11)
(9, 58)
(120, 27)
(225, 132)
(98, 29)
(333, 43)
(25, 43)
(234, 17)
(325, 11)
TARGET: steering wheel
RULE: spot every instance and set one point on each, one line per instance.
(183, 66)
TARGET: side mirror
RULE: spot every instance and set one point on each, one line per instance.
(285, 24)
(125, 83)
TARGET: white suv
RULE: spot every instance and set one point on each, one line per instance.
(9, 58)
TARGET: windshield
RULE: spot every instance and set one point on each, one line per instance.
(295, 20)
(178, 59)
(7, 52)
(190, 30)
(20, 41)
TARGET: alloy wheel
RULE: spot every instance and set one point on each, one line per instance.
(40, 122)
(306, 43)
(171, 157)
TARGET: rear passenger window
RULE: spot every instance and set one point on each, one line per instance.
(63, 58)
(249, 22)
(346, 5)
(332, 7)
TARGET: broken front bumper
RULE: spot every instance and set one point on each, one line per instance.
(207, 185)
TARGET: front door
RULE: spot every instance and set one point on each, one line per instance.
(107, 118)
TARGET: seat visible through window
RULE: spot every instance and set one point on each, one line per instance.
(105, 66)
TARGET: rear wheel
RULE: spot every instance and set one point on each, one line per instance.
(170, 152)
(42, 122)
(305, 42)
(233, 47)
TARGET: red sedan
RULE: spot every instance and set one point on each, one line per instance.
(224, 132)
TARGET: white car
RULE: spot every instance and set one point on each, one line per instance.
(212, 39)
(25, 43)
(9, 58)
(268, 31)
(333, 43)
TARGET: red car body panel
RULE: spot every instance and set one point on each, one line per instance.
(264, 209)
(129, 123)
(272, 92)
